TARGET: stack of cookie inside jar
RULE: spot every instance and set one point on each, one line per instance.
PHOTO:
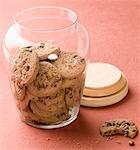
(47, 84)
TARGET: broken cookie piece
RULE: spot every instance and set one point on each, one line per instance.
(131, 143)
(119, 126)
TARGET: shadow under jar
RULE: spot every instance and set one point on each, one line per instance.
(47, 90)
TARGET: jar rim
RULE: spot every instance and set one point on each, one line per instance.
(71, 12)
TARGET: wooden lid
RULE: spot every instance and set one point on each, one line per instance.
(104, 101)
(103, 79)
(105, 85)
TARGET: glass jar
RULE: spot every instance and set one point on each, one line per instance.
(53, 26)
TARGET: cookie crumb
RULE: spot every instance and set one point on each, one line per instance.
(118, 142)
(131, 143)
(48, 139)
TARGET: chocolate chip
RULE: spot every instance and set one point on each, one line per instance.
(113, 124)
(75, 56)
(122, 122)
(27, 68)
(71, 96)
(108, 124)
(117, 124)
(105, 133)
(55, 85)
(131, 143)
(38, 74)
(41, 46)
(28, 47)
(125, 132)
(134, 130)
(127, 123)
(15, 69)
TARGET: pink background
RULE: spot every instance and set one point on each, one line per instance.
(114, 30)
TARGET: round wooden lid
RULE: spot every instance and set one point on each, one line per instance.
(106, 100)
(105, 85)
(103, 79)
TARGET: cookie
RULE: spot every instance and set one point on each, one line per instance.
(28, 116)
(70, 65)
(24, 104)
(44, 49)
(25, 65)
(50, 109)
(119, 126)
(72, 96)
(48, 80)
(66, 83)
(73, 90)
(18, 89)
(24, 108)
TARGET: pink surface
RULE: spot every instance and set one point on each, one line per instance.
(114, 32)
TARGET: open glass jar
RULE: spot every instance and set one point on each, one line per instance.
(47, 90)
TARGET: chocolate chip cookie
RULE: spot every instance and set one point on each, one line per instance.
(66, 83)
(25, 65)
(72, 95)
(119, 126)
(18, 89)
(51, 109)
(70, 65)
(47, 82)
(44, 49)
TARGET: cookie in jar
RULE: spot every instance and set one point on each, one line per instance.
(47, 84)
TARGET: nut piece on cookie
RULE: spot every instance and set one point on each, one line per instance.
(119, 126)
(25, 65)
(48, 80)
(52, 57)
(70, 65)
(45, 49)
